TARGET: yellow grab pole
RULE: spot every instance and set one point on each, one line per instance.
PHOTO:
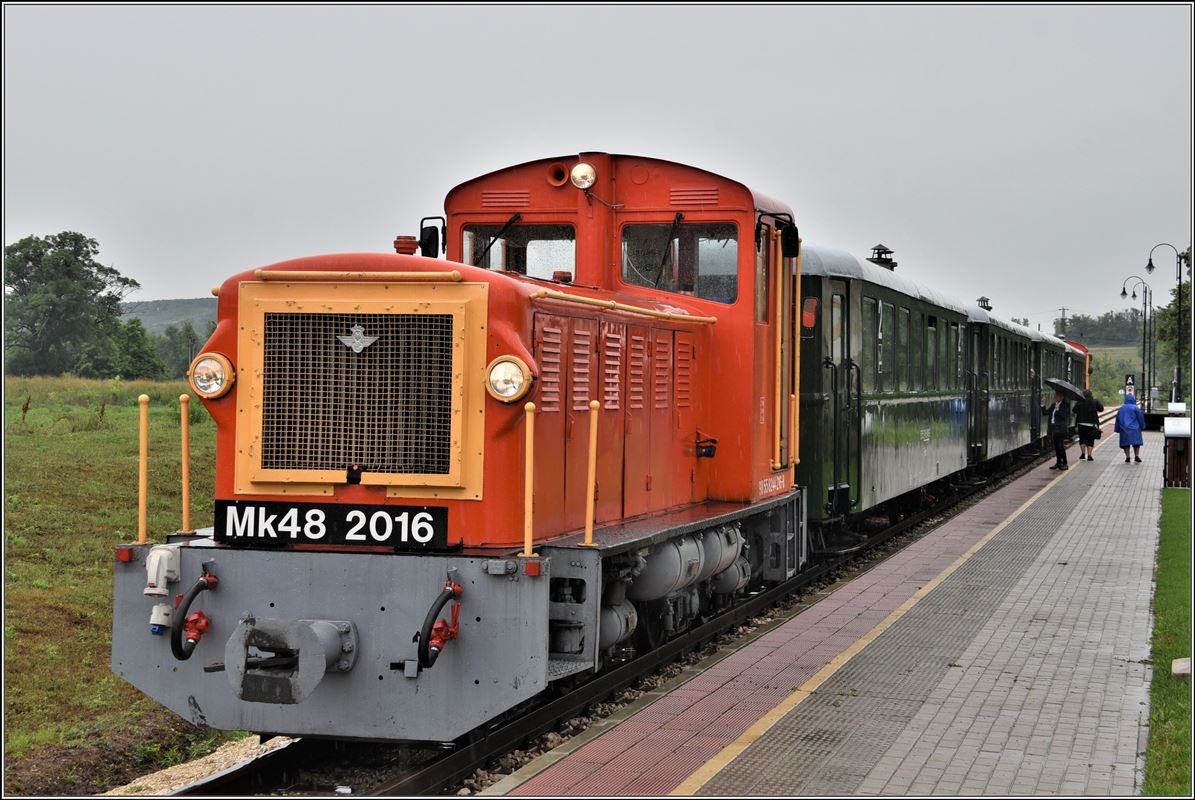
(528, 478)
(591, 480)
(792, 429)
(184, 404)
(143, 468)
(778, 401)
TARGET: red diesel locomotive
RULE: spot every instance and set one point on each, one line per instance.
(609, 344)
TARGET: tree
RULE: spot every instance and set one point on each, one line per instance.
(1110, 328)
(177, 347)
(138, 356)
(60, 304)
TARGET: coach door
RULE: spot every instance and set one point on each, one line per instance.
(841, 382)
(977, 397)
(1035, 390)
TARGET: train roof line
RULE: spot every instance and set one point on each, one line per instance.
(834, 263)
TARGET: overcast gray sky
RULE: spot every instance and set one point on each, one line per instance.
(1033, 154)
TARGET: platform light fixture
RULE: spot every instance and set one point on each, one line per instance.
(1177, 387)
(1147, 337)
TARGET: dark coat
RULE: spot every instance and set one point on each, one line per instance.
(1059, 420)
(1087, 418)
(1088, 411)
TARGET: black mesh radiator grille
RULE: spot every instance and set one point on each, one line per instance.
(386, 408)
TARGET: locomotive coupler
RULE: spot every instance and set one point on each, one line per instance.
(282, 661)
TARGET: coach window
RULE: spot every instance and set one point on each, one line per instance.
(993, 364)
(694, 258)
(537, 251)
(956, 357)
(1006, 345)
(997, 361)
(917, 354)
(870, 336)
(886, 358)
(836, 328)
(931, 353)
(902, 350)
(1003, 367)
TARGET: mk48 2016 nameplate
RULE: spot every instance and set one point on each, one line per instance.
(261, 523)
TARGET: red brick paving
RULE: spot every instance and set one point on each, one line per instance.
(655, 750)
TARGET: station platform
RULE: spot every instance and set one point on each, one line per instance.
(1005, 652)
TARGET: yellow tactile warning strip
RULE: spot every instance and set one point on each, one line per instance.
(694, 782)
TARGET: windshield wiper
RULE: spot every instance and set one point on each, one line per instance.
(668, 247)
(513, 219)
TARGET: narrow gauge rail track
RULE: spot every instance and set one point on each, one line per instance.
(279, 770)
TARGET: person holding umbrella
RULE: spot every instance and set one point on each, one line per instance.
(1130, 421)
(1060, 416)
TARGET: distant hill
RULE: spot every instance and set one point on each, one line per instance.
(156, 315)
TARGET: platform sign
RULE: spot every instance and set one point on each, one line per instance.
(1129, 385)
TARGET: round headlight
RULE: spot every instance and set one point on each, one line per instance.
(508, 379)
(583, 175)
(211, 375)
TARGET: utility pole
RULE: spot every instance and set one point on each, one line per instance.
(1063, 310)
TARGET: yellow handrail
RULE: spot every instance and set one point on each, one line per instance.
(142, 467)
(792, 430)
(365, 277)
(794, 423)
(184, 405)
(528, 478)
(591, 479)
(611, 304)
(777, 407)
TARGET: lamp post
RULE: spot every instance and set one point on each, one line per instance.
(1146, 338)
(1176, 389)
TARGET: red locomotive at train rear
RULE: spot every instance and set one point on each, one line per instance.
(608, 345)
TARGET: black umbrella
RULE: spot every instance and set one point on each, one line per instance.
(1066, 387)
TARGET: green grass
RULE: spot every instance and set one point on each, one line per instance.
(70, 495)
(1168, 758)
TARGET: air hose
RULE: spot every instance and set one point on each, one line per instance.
(194, 627)
(430, 644)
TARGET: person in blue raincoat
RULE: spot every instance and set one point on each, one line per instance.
(1130, 421)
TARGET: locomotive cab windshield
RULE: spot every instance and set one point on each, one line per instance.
(695, 258)
(535, 250)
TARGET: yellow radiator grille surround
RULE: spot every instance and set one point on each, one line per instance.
(387, 376)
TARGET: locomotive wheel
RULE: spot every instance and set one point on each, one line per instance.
(649, 630)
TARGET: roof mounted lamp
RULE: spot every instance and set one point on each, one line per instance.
(583, 175)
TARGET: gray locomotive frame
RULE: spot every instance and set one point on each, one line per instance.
(346, 623)
(499, 659)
